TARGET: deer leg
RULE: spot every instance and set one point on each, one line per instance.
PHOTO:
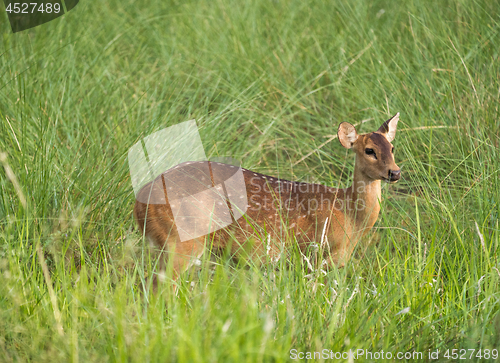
(182, 255)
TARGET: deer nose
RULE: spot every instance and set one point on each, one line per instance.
(394, 175)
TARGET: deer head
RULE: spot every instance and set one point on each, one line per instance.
(374, 151)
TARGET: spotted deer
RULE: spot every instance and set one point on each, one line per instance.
(205, 202)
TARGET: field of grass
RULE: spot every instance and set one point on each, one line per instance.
(268, 82)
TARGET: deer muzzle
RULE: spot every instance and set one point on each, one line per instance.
(394, 175)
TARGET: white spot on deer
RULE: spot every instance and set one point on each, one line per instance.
(293, 225)
(255, 174)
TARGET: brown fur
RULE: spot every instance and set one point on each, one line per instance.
(277, 208)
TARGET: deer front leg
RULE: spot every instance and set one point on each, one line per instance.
(178, 256)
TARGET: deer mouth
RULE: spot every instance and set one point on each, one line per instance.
(390, 181)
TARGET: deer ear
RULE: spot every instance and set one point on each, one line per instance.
(388, 128)
(347, 135)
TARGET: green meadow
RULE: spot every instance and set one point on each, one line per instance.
(268, 82)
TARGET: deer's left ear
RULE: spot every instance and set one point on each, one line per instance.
(388, 128)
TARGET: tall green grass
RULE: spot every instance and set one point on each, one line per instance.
(268, 83)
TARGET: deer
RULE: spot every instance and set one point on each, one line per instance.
(204, 202)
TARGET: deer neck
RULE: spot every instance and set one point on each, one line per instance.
(364, 195)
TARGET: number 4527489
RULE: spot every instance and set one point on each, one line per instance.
(471, 353)
(30, 8)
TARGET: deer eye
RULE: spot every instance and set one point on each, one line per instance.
(369, 152)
